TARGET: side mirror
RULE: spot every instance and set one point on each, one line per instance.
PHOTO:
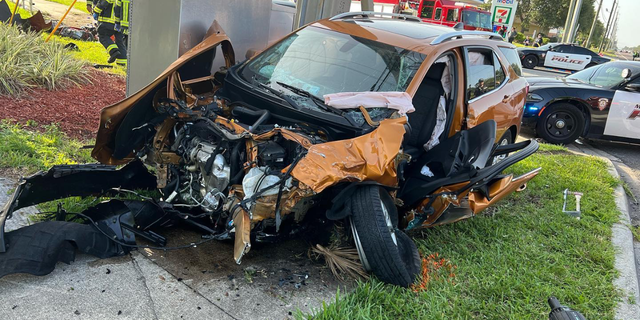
(633, 87)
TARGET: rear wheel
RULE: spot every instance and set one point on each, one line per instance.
(561, 123)
(530, 61)
(384, 250)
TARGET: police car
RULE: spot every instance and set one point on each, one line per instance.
(602, 102)
(560, 56)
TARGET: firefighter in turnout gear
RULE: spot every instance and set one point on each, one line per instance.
(104, 12)
(122, 17)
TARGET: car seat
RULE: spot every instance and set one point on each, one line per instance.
(425, 101)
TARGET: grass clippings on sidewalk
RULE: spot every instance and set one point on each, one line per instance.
(510, 262)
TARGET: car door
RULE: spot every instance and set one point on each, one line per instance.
(556, 57)
(624, 114)
(487, 89)
(580, 58)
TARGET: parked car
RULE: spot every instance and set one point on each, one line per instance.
(602, 102)
(560, 56)
(318, 127)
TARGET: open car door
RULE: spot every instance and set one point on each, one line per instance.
(452, 181)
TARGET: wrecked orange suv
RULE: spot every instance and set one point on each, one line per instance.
(381, 122)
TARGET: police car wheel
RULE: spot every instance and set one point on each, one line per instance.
(530, 61)
(561, 123)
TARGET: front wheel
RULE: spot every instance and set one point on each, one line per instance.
(383, 249)
(530, 61)
(561, 123)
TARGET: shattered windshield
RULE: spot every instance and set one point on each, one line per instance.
(321, 62)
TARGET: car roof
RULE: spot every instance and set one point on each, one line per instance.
(404, 33)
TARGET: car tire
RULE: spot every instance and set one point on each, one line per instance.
(507, 138)
(561, 123)
(384, 250)
(530, 61)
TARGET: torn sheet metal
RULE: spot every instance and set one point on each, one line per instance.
(370, 157)
(112, 117)
(242, 243)
(498, 190)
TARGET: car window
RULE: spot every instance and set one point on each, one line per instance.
(581, 50)
(452, 15)
(480, 72)
(499, 70)
(427, 9)
(585, 75)
(514, 60)
(608, 76)
(438, 14)
(322, 61)
(563, 49)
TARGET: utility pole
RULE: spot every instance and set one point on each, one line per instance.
(593, 25)
(567, 23)
(610, 31)
(573, 29)
(606, 30)
(613, 32)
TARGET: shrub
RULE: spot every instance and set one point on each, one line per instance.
(27, 61)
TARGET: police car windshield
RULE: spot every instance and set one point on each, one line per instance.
(548, 46)
(321, 61)
(606, 75)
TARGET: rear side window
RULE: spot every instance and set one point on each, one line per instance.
(481, 72)
(514, 60)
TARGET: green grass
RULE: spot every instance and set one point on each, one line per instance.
(26, 61)
(510, 262)
(80, 4)
(92, 52)
(22, 12)
(29, 151)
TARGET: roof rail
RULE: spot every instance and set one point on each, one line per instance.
(461, 34)
(366, 14)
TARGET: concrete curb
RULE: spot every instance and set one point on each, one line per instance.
(622, 238)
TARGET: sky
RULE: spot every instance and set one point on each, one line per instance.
(627, 32)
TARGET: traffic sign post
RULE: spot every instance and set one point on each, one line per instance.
(503, 13)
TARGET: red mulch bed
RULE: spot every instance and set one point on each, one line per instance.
(75, 109)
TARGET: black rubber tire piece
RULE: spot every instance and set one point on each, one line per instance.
(530, 61)
(569, 112)
(391, 263)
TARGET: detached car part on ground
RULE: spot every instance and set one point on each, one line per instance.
(250, 153)
(602, 102)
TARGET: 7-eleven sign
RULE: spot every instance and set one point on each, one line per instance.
(501, 15)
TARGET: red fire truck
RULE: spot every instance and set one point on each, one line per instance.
(444, 12)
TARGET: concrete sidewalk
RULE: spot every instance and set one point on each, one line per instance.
(273, 282)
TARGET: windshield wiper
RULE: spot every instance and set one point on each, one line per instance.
(280, 95)
(319, 102)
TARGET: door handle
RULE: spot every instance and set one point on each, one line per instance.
(506, 98)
